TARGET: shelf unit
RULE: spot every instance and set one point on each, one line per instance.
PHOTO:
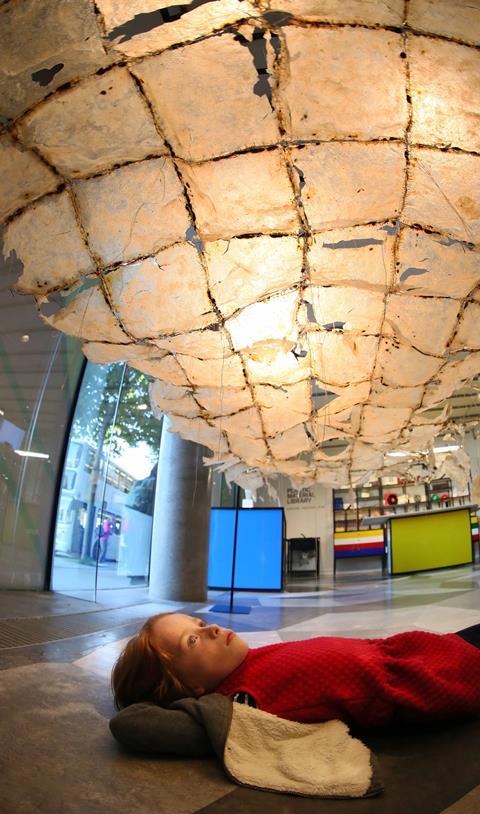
(350, 506)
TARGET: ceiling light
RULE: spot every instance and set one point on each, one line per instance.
(26, 453)
(451, 448)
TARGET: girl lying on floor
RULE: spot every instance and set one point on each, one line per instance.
(409, 677)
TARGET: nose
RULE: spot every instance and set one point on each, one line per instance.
(213, 631)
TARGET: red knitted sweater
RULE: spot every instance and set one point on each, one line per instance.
(413, 676)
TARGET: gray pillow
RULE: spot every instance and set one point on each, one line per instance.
(147, 727)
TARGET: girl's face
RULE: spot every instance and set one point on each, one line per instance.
(202, 654)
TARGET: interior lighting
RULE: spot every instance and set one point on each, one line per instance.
(26, 453)
(451, 448)
(284, 244)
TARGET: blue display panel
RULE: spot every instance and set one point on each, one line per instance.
(258, 564)
(220, 553)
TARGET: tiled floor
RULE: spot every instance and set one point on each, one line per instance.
(438, 601)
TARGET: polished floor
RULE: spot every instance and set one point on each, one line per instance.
(56, 653)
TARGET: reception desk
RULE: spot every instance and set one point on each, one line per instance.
(422, 541)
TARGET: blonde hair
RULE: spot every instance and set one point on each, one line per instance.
(142, 672)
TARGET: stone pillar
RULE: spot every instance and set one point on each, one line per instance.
(326, 529)
(181, 521)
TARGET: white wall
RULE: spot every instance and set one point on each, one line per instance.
(472, 447)
(309, 513)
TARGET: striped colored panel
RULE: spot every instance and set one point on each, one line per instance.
(354, 546)
(359, 533)
(369, 536)
(359, 552)
(474, 524)
(359, 543)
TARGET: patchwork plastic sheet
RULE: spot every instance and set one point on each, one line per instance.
(273, 208)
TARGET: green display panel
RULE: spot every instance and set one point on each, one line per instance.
(434, 540)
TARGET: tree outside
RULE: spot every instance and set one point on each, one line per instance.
(112, 412)
(115, 388)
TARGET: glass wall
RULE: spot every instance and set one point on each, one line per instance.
(104, 520)
(39, 374)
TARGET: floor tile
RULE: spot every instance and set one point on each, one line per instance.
(425, 773)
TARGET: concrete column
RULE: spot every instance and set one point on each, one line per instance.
(181, 521)
(326, 529)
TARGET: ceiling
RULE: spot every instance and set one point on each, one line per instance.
(276, 215)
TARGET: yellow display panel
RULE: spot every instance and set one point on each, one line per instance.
(428, 541)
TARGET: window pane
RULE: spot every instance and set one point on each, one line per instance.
(131, 476)
(39, 373)
(104, 519)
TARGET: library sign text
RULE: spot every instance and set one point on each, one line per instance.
(304, 495)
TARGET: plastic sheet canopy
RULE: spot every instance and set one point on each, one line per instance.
(272, 208)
